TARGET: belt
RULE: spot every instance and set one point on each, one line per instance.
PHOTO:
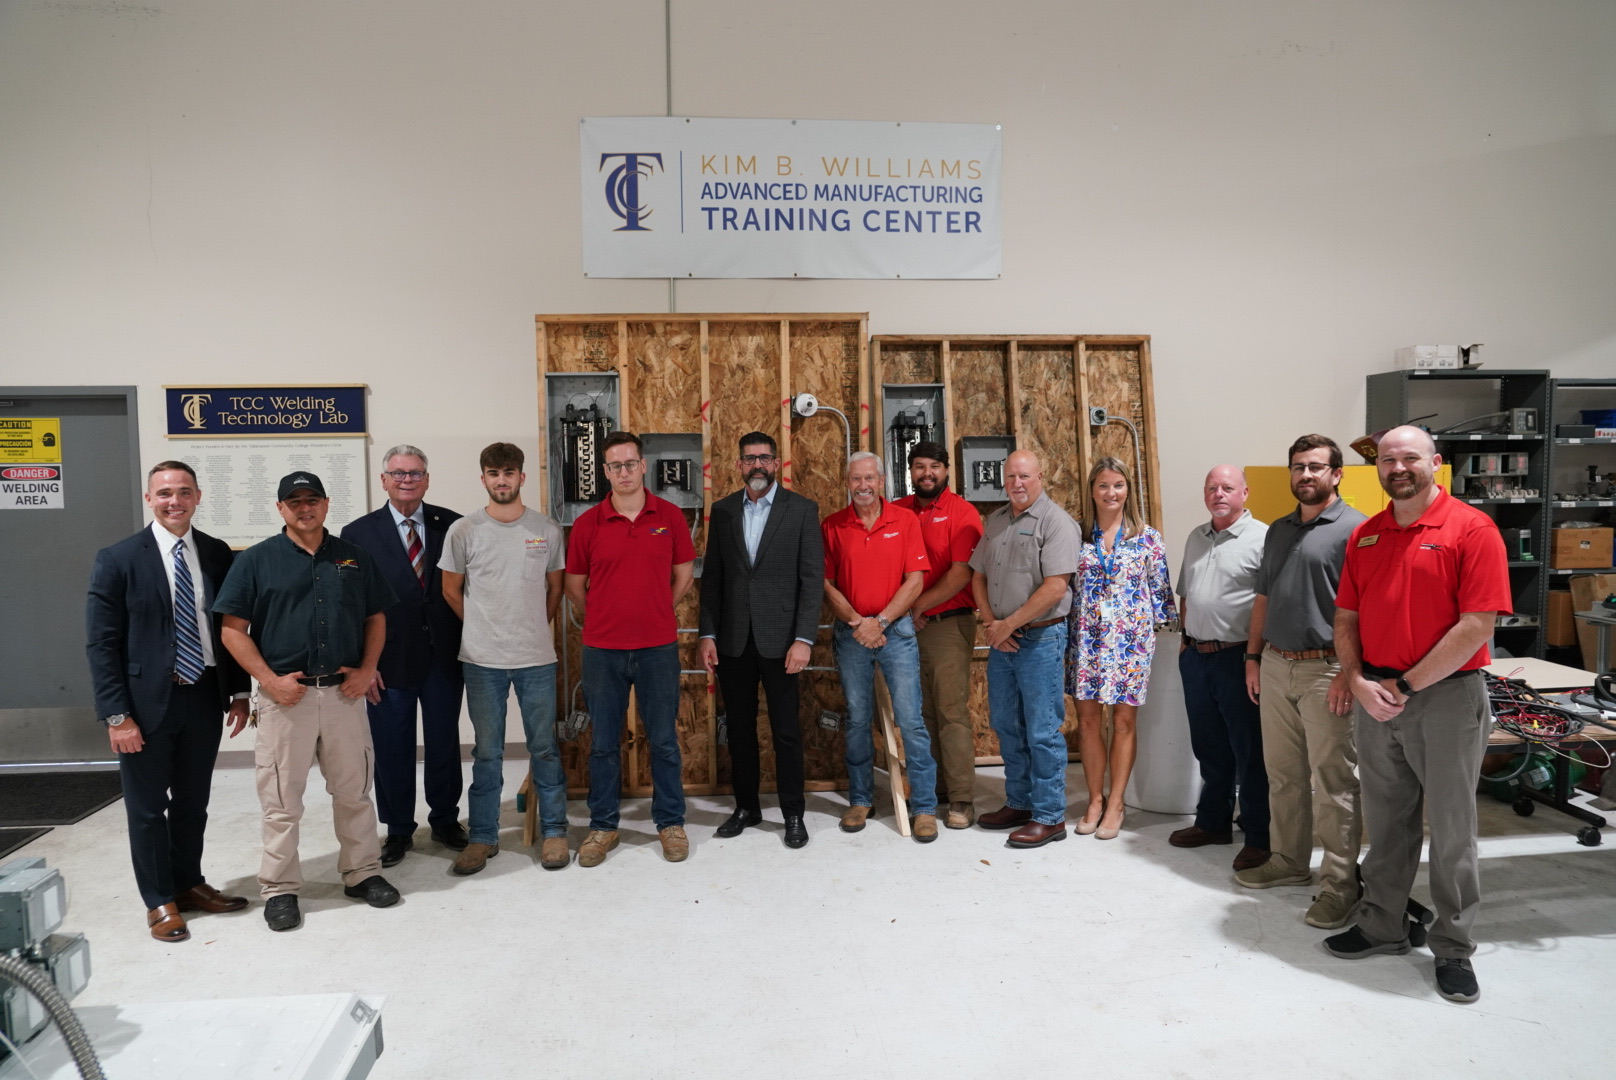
(952, 613)
(1392, 673)
(1041, 625)
(207, 671)
(1212, 646)
(1326, 653)
(323, 680)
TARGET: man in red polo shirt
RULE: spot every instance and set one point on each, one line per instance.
(875, 564)
(945, 626)
(628, 563)
(1423, 583)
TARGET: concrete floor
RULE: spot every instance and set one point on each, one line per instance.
(872, 956)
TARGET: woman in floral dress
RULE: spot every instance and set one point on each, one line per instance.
(1122, 596)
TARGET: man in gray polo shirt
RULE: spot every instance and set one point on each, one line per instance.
(1306, 703)
(1021, 576)
(1216, 589)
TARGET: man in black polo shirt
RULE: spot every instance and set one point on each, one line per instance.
(303, 615)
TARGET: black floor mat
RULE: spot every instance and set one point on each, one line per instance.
(54, 798)
(12, 839)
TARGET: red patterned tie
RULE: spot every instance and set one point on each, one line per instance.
(413, 550)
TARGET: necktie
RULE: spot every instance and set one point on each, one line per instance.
(413, 550)
(187, 640)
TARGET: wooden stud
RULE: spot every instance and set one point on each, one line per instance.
(861, 437)
(1085, 434)
(948, 395)
(1012, 379)
(896, 770)
(706, 519)
(878, 411)
(785, 404)
(530, 811)
(1147, 391)
(623, 410)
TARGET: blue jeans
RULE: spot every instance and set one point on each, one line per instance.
(899, 660)
(1226, 735)
(654, 676)
(1026, 705)
(487, 690)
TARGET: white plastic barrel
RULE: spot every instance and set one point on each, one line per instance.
(1166, 778)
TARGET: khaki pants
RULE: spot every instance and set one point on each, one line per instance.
(333, 730)
(946, 648)
(1312, 782)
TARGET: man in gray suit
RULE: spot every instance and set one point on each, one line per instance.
(762, 583)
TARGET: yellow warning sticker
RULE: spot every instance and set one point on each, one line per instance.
(33, 440)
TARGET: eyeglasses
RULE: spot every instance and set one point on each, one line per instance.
(406, 474)
(758, 459)
(1311, 468)
(615, 467)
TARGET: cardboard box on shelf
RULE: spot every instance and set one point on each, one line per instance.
(1587, 590)
(1580, 549)
(1562, 628)
(1426, 358)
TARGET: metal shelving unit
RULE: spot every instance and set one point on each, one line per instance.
(1396, 397)
(1568, 460)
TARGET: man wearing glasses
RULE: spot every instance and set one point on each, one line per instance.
(629, 563)
(420, 664)
(1305, 700)
(762, 584)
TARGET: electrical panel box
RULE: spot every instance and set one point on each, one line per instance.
(67, 958)
(912, 413)
(581, 409)
(980, 473)
(673, 468)
(33, 903)
(22, 1015)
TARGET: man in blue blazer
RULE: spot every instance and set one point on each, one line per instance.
(420, 663)
(163, 683)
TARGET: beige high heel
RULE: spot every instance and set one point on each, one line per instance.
(1083, 828)
(1108, 834)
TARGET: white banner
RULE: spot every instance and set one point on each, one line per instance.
(708, 198)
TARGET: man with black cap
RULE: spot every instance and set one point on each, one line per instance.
(303, 614)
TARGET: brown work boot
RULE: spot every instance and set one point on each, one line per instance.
(854, 817)
(675, 844)
(474, 858)
(554, 853)
(592, 852)
(961, 815)
(925, 828)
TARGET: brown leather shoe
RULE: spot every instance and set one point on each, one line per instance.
(1007, 817)
(925, 828)
(205, 897)
(1252, 857)
(961, 815)
(592, 852)
(1195, 836)
(1035, 834)
(854, 817)
(675, 844)
(474, 858)
(554, 853)
(166, 924)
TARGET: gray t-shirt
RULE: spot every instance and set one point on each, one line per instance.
(1301, 570)
(505, 564)
(1220, 568)
(1018, 551)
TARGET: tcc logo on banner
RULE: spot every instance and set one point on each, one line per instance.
(623, 188)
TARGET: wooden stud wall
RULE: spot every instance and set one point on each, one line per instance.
(721, 376)
(1039, 389)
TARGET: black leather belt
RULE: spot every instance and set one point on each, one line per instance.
(324, 680)
(1391, 673)
(952, 613)
(1211, 646)
(1041, 625)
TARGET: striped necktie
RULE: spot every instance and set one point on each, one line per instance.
(187, 639)
(413, 550)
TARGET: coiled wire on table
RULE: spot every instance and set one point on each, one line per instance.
(1535, 720)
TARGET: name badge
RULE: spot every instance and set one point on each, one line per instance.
(1365, 541)
(1110, 610)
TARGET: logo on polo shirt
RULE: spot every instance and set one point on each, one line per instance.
(888, 536)
(345, 562)
(660, 530)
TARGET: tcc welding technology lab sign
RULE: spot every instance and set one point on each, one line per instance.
(712, 198)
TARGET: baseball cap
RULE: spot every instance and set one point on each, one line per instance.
(299, 481)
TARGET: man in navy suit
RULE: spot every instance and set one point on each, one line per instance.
(420, 663)
(163, 683)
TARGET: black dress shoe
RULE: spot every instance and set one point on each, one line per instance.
(374, 891)
(394, 847)
(452, 836)
(796, 831)
(281, 913)
(736, 822)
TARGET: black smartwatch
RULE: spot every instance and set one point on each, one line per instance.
(1254, 656)
(1403, 687)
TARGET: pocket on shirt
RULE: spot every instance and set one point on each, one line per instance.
(535, 564)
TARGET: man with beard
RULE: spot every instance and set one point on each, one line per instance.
(1423, 584)
(945, 627)
(762, 583)
(1304, 695)
(1217, 588)
(502, 568)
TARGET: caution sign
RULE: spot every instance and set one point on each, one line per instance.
(31, 487)
(30, 440)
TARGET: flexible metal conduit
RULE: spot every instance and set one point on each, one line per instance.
(37, 983)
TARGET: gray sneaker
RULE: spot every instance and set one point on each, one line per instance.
(1276, 871)
(1456, 981)
(1330, 911)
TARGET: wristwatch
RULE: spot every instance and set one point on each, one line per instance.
(116, 719)
(883, 621)
(1403, 687)
(1254, 656)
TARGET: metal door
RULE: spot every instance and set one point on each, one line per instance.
(47, 709)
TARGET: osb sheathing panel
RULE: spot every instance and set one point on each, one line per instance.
(1113, 381)
(977, 379)
(1049, 418)
(582, 346)
(919, 362)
